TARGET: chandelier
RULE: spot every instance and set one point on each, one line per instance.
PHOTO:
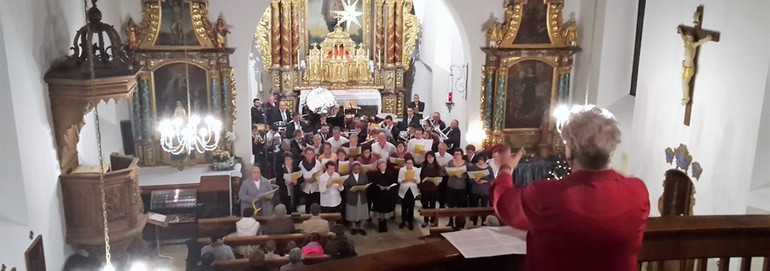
(186, 131)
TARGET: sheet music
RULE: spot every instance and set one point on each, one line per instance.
(158, 217)
(488, 241)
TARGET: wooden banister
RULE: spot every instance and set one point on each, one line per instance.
(666, 239)
(450, 212)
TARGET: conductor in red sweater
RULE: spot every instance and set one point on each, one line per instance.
(594, 219)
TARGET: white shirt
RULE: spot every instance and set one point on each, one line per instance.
(247, 226)
(284, 116)
(443, 160)
(330, 197)
(336, 144)
(383, 152)
(495, 167)
(307, 174)
(273, 140)
(408, 185)
(298, 126)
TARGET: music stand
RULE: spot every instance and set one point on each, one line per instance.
(155, 219)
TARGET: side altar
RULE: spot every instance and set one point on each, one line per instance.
(529, 60)
(339, 45)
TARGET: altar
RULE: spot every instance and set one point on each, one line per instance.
(365, 98)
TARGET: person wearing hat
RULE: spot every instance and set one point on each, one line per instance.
(356, 207)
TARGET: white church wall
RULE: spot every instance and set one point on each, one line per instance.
(110, 115)
(759, 197)
(35, 33)
(729, 90)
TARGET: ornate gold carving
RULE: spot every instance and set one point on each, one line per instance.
(262, 36)
(152, 18)
(380, 30)
(554, 25)
(411, 32)
(391, 38)
(337, 60)
(399, 33)
(286, 54)
(389, 103)
(559, 33)
(275, 9)
(201, 24)
(511, 23)
(150, 24)
(295, 17)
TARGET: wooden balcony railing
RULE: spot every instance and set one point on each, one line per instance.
(667, 240)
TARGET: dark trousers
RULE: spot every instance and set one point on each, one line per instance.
(442, 192)
(310, 199)
(428, 202)
(456, 198)
(478, 201)
(297, 194)
(407, 208)
(335, 209)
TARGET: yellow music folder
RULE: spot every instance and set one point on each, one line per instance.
(339, 180)
(368, 168)
(294, 176)
(434, 180)
(360, 187)
(343, 167)
(397, 161)
(455, 171)
(409, 175)
(476, 175)
(355, 151)
(420, 149)
(317, 174)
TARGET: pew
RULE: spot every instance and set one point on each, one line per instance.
(243, 264)
(481, 212)
(259, 240)
(225, 225)
(676, 238)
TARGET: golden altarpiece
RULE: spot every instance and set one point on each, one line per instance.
(181, 53)
(307, 44)
(527, 73)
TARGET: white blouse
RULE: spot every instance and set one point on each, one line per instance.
(443, 160)
(330, 197)
(406, 186)
(307, 174)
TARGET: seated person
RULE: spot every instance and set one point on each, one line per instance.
(270, 248)
(206, 261)
(219, 249)
(344, 250)
(312, 246)
(492, 221)
(280, 223)
(289, 245)
(315, 223)
(334, 246)
(257, 261)
(247, 226)
(459, 224)
(295, 260)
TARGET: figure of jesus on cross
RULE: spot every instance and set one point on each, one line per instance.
(693, 38)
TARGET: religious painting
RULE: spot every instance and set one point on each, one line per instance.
(534, 28)
(34, 256)
(171, 85)
(176, 28)
(528, 94)
(322, 17)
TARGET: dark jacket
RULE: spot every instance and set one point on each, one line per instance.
(257, 115)
(418, 108)
(279, 225)
(384, 200)
(353, 196)
(405, 124)
(453, 138)
(331, 248)
(428, 188)
(290, 128)
(271, 114)
(283, 190)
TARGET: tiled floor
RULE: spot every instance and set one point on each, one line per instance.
(371, 243)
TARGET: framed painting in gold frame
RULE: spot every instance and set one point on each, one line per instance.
(526, 96)
(175, 25)
(169, 89)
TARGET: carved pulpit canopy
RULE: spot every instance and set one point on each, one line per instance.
(98, 70)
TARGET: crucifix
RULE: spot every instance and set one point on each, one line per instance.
(693, 37)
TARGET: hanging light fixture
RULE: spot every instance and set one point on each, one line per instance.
(186, 131)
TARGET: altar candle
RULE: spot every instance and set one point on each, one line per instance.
(450, 95)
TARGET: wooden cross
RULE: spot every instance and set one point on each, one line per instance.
(693, 37)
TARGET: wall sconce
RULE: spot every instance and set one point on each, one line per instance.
(458, 82)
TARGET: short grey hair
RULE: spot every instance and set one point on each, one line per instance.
(492, 221)
(295, 255)
(591, 133)
(279, 209)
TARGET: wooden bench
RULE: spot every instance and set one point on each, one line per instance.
(243, 264)
(451, 212)
(225, 225)
(259, 240)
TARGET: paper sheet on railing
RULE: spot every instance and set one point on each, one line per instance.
(488, 241)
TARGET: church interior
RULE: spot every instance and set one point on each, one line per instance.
(141, 132)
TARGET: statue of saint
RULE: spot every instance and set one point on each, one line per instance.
(569, 33)
(221, 31)
(493, 35)
(688, 64)
(131, 35)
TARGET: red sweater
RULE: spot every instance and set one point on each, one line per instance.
(591, 220)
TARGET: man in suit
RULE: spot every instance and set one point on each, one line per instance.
(470, 154)
(257, 113)
(282, 113)
(315, 223)
(324, 132)
(391, 129)
(298, 145)
(410, 120)
(296, 124)
(271, 110)
(252, 188)
(436, 121)
(418, 106)
(453, 134)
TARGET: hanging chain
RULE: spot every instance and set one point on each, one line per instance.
(105, 222)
